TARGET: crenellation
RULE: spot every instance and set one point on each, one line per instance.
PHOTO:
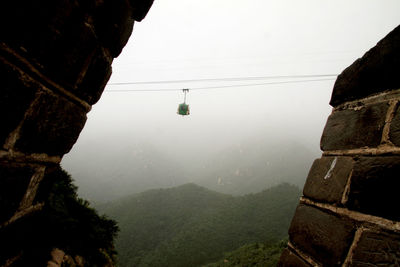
(375, 72)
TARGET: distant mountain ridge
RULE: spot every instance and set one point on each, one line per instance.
(190, 225)
(246, 167)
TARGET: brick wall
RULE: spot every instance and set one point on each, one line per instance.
(349, 214)
(55, 60)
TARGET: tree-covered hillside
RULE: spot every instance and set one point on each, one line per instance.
(191, 226)
(257, 255)
(66, 222)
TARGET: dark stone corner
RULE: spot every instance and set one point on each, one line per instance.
(377, 71)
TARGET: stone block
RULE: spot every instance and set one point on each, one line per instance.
(113, 23)
(375, 72)
(377, 249)
(140, 8)
(54, 37)
(349, 129)
(394, 134)
(52, 126)
(327, 179)
(54, 174)
(52, 264)
(17, 92)
(289, 259)
(32, 21)
(57, 256)
(75, 49)
(322, 235)
(375, 186)
(96, 78)
(14, 181)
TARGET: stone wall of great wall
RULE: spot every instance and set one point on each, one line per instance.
(55, 60)
(349, 215)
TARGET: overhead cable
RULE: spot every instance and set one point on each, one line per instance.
(219, 87)
(225, 79)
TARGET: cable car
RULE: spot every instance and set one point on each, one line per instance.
(183, 109)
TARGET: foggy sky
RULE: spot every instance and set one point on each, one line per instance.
(193, 39)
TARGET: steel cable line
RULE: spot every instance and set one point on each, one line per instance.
(225, 79)
(219, 87)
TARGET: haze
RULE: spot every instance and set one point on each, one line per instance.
(259, 135)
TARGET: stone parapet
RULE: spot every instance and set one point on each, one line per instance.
(347, 215)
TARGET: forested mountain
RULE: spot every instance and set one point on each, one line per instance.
(265, 254)
(192, 226)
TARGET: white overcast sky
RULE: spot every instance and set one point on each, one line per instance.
(195, 39)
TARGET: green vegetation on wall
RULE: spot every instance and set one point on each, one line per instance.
(66, 222)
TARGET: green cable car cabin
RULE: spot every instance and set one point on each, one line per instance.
(183, 109)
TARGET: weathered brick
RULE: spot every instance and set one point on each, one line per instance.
(54, 37)
(289, 259)
(25, 23)
(140, 8)
(16, 94)
(14, 181)
(327, 179)
(348, 129)
(41, 32)
(375, 72)
(114, 24)
(374, 186)
(323, 236)
(52, 126)
(114, 21)
(377, 249)
(60, 38)
(394, 134)
(75, 49)
(96, 77)
(54, 174)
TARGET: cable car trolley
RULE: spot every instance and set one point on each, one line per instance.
(183, 109)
